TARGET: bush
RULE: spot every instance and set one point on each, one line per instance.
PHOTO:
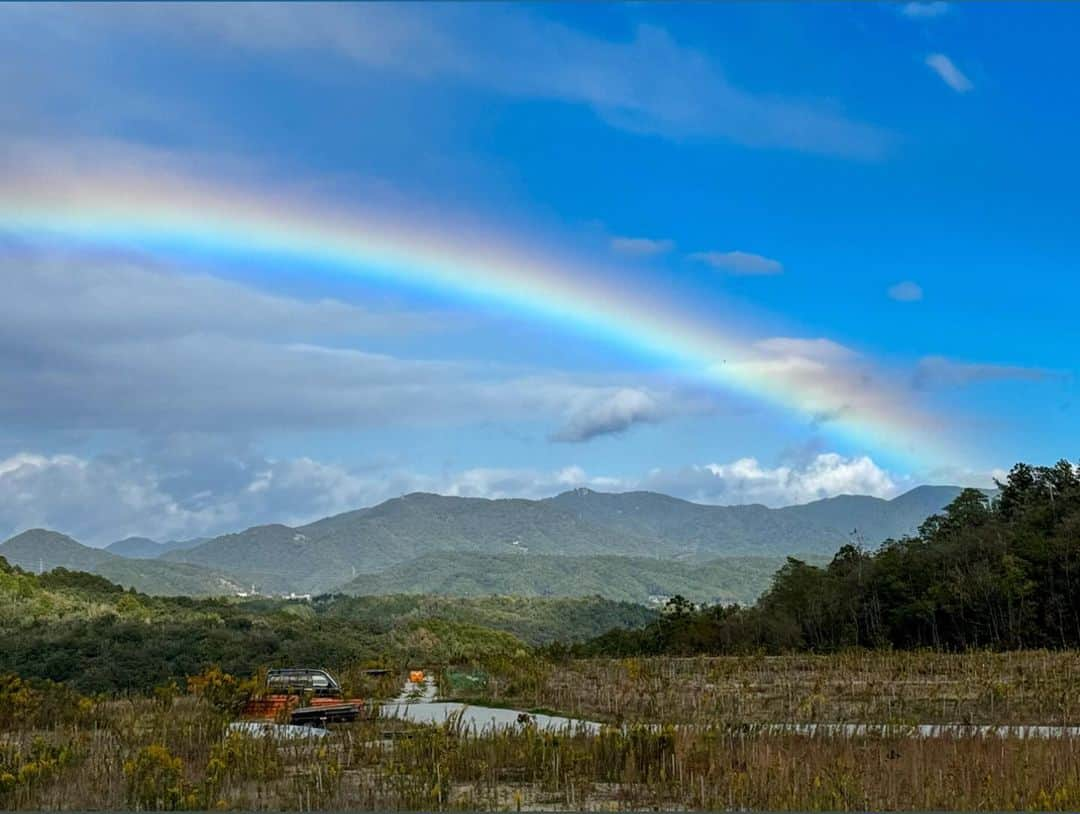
(155, 780)
(240, 757)
(21, 771)
(42, 704)
(18, 701)
(221, 690)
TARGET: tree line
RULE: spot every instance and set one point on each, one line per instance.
(997, 571)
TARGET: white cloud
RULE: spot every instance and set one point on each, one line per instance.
(937, 371)
(906, 291)
(827, 475)
(737, 262)
(609, 415)
(949, 73)
(88, 497)
(100, 343)
(802, 362)
(175, 493)
(106, 498)
(834, 381)
(925, 10)
(641, 246)
(747, 480)
(819, 349)
(103, 298)
(646, 82)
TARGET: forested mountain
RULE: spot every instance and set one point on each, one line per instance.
(632, 579)
(324, 554)
(41, 550)
(146, 549)
(1001, 573)
(136, 548)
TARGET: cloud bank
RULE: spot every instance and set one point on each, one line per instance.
(118, 343)
(645, 83)
(182, 491)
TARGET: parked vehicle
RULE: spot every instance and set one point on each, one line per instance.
(302, 695)
(299, 680)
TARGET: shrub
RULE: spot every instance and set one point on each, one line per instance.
(221, 690)
(155, 780)
(18, 701)
(240, 757)
(22, 770)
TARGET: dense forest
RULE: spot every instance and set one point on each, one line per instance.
(999, 572)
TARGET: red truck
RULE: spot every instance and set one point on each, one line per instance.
(304, 696)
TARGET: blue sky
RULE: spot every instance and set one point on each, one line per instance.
(878, 198)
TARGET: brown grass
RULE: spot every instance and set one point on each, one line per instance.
(1032, 687)
(175, 752)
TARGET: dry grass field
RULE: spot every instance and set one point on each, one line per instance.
(687, 740)
(1027, 687)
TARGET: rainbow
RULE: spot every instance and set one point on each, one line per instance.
(170, 215)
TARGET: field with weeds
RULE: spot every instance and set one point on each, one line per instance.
(142, 717)
(173, 750)
(902, 687)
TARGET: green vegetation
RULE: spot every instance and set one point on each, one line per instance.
(41, 550)
(887, 687)
(1001, 573)
(174, 751)
(634, 546)
(146, 549)
(926, 630)
(630, 579)
(81, 629)
(536, 621)
(579, 523)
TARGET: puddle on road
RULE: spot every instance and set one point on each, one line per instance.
(417, 704)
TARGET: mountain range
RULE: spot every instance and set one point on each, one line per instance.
(626, 546)
(146, 549)
(644, 580)
(40, 550)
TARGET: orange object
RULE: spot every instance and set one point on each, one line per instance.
(300, 692)
(416, 676)
(273, 707)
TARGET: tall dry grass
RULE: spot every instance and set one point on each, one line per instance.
(1029, 687)
(174, 750)
(193, 764)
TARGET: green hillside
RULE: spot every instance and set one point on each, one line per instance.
(82, 629)
(629, 579)
(534, 620)
(143, 548)
(313, 557)
(168, 578)
(42, 550)
(580, 523)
